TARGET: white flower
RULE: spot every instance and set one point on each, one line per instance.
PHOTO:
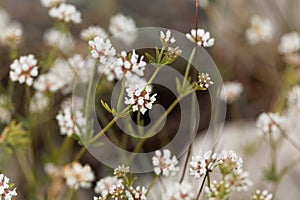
(51, 3)
(164, 163)
(180, 191)
(77, 175)
(102, 50)
(53, 171)
(48, 82)
(270, 123)
(201, 37)
(24, 69)
(166, 38)
(12, 34)
(231, 91)
(217, 190)
(239, 180)
(62, 41)
(261, 29)
(129, 66)
(137, 193)
(204, 81)
(38, 103)
(123, 28)
(6, 193)
(5, 110)
(140, 99)
(70, 121)
(135, 82)
(66, 12)
(229, 161)
(262, 195)
(105, 185)
(203, 3)
(202, 164)
(91, 32)
(289, 43)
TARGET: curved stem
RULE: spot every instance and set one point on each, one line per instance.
(152, 183)
(201, 188)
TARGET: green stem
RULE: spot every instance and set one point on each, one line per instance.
(151, 184)
(188, 67)
(121, 95)
(25, 167)
(69, 194)
(186, 163)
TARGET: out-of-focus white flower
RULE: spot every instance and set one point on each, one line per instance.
(77, 175)
(12, 34)
(24, 69)
(5, 109)
(166, 38)
(135, 82)
(105, 185)
(66, 12)
(140, 99)
(102, 50)
(4, 19)
(289, 43)
(137, 193)
(294, 97)
(180, 191)
(262, 195)
(62, 41)
(53, 171)
(164, 163)
(38, 103)
(91, 32)
(239, 180)
(70, 121)
(123, 28)
(201, 37)
(231, 91)
(261, 30)
(204, 81)
(48, 82)
(217, 190)
(270, 123)
(229, 161)
(51, 3)
(203, 3)
(6, 193)
(202, 164)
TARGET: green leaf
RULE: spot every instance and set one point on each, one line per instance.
(178, 85)
(106, 106)
(151, 59)
(157, 53)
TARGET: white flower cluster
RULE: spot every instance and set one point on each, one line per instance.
(106, 185)
(5, 112)
(230, 161)
(77, 175)
(231, 91)
(200, 165)
(261, 30)
(51, 3)
(140, 99)
(63, 41)
(180, 191)
(270, 123)
(204, 81)
(118, 190)
(11, 32)
(123, 28)
(166, 38)
(102, 50)
(164, 163)
(217, 189)
(24, 69)
(71, 121)
(66, 12)
(91, 32)
(201, 37)
(5, 190)
(239, 181)
(262, 195)
(289, 43)
(38, 103)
